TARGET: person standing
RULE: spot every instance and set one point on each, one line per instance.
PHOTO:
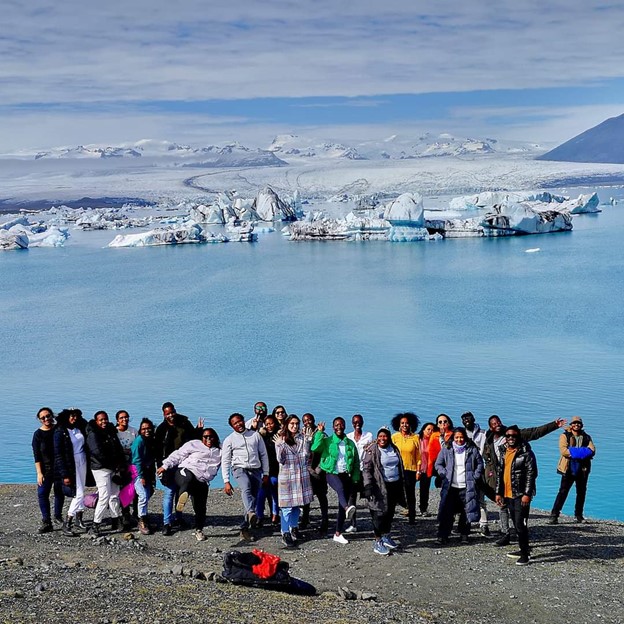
(408, 442)
(362, 439)
(126, 435)
(341, 463)
(492, 457)
(144, 465)
(244, 455)
(71, 464)
(318, 480)
(43, 452)
(426, 470)
(260, 413)
(460, 466)
(384, 488)
(515, 487)
(477, 435)
(577, 451)
(294, 489)
(107, 461)
(174, 431)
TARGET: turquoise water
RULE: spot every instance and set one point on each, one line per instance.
(331, 328)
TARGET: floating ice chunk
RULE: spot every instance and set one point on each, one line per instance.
(588, 203)
(407, 209)
(13, 239)
(243, 233)
(51, 237)
(533, 250)
(270, 207)
(523, 219)
(402, 234)
(191, 233)
(7, 225)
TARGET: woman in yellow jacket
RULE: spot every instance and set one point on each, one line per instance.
(408, 442)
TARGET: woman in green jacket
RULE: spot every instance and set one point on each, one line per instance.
(341, 463)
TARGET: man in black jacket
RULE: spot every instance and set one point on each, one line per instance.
(515, 487)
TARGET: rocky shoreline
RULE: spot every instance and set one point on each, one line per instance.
(576, 574)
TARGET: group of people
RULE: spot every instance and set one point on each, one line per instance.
(281, 462)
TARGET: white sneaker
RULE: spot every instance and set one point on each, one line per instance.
(351, 529)
(199, 535)
(341, 539)
(350, 512)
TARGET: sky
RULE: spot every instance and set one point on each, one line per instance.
(211, 72)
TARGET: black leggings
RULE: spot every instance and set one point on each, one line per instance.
(423, 490)
(188, 482)
(382, 521)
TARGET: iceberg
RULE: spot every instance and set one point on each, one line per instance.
(11, 239)
(523, 219)
(50, 237)
(185, 234)
(270, 207)
(406, 210)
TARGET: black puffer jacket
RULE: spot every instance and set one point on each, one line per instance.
(105, 450)
(523, 473)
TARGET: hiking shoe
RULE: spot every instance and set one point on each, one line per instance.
(96, 528)
(199, 535)
(350, 512)
(58, 519)
(252, 519)
(246, 535)
(485, 531)
(388, 542)
(380, 548)
(516, 554)
(166, 530)
(46, 527)
(523, 560)
(287, 540)
(182, 499)
(294, 533)
(143, 527)
(114, 524)
(553, 520)
(579, 519)
(351, 529)
(503, 541)
(341, 539)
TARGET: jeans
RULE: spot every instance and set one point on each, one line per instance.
(108, 495)
(249, 481)
(289, 518)
(170, 490)
(342, 485)
(144, 493)
(267, 492)
(43, 494)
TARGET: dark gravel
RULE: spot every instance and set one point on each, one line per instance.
(576, 574)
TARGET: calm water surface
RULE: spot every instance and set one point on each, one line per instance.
(331, 328)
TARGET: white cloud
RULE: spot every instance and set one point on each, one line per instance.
(142, 50)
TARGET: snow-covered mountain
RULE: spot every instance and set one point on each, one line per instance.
(600, 144)
(230, 155)
(291, 146)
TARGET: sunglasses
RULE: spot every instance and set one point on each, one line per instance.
(46, 417)
(208, 437)
(443, 422)
(512, 435)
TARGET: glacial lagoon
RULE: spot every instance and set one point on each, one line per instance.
(334, 328)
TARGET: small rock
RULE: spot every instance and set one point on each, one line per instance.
(177, 570)
(40, 587)
(368, 596)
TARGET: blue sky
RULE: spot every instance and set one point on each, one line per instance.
(213, 72)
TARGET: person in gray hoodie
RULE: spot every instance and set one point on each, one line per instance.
(244, 455)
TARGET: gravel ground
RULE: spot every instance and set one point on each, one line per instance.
(576, 574)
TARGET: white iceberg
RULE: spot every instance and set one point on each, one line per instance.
(12, 239)
(406, 210)
(270, 207)
(523, 219)
(189, 233)
(50, 237)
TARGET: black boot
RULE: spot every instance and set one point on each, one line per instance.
(126, 521)
(79, 522)
(67, 527)
(114, 524)
(96, 528)
(46, 527)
